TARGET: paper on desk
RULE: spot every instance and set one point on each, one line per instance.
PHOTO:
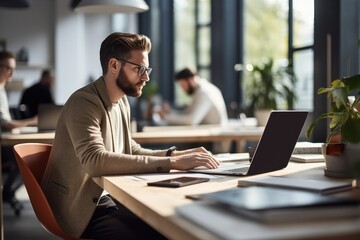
(163, 176)
(20, 130)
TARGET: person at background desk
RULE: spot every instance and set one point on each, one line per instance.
(36, 94)
(94, 130)
(206, 107)
(9, 167)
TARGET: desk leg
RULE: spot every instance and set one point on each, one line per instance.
(240, 146)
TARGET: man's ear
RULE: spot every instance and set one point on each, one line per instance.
(114, 65)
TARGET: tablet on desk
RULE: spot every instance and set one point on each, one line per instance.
(178, 182)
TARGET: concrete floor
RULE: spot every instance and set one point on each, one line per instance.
(26, 226)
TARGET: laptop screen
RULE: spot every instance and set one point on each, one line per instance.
(48, 117)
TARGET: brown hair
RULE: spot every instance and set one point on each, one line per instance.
(185, 74)
(120, 45)
(4, 55)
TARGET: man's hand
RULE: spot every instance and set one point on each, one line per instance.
(192, 158)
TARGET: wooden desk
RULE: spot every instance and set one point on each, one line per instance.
(8, 139)
(151, 137)
(195, 134)
(157, 205)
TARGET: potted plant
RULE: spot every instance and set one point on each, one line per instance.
(268, 86)
(342, 147)
(145, 104)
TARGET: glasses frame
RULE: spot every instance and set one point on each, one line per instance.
(7, 68)
(147, 70)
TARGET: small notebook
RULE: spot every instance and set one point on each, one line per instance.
(307, 158)
(319, 186)
(308, 148)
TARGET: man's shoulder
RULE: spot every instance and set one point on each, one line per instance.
(32, 89)
(85, 96)
(85, 92)
(207, 87)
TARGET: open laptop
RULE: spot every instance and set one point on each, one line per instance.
(274, 149)
(48, 115)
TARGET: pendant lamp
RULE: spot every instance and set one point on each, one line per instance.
(111, 6)
(15, 3)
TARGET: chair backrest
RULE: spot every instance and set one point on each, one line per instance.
(32, 159)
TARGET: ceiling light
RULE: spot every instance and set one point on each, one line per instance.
(111, 6)
(15, 3)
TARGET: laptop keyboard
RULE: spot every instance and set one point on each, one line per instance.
(240, 171)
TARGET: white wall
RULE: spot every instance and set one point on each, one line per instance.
(78, 37)
(33, 29)
(55, 36)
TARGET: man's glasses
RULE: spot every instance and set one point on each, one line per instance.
(7, 68)
(141, 69)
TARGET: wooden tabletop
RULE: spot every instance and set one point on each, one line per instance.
(156, 135)
(157, 206)
(8, 139)
(197, 135)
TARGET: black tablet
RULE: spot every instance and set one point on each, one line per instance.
(178, 182)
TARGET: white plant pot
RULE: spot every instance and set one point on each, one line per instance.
(262, 116)
(342, 164)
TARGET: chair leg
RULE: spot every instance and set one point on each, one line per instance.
(9, 193)
(17, 207)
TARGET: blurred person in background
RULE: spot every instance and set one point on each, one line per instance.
(11, 176)
(36, 94)
(207, 105)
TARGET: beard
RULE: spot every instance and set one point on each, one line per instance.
(132, 90)
(191, 89)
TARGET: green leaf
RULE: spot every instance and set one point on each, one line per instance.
(350, 130)
(323, 90)
(345, 117)
(353, 82)
(357, 99)
(336, 119)
(311, 127)
(340, 97)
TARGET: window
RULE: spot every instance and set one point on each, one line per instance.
(277, 29)
(301, 51)
(192, 40)
(203, 39)
(284, 31)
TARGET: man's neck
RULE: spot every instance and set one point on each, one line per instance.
(2, 84)
(113, 90)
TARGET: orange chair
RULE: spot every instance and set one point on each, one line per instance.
(32, 159)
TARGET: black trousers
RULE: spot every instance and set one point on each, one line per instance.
(12, 179)
(111, 220)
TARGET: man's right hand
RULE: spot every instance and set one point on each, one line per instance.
(192, 160)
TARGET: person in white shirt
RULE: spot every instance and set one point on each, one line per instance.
(12, 181)
(207, 105)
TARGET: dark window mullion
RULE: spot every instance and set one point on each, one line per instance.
(197, 42)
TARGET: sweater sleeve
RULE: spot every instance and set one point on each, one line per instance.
(86, 123)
